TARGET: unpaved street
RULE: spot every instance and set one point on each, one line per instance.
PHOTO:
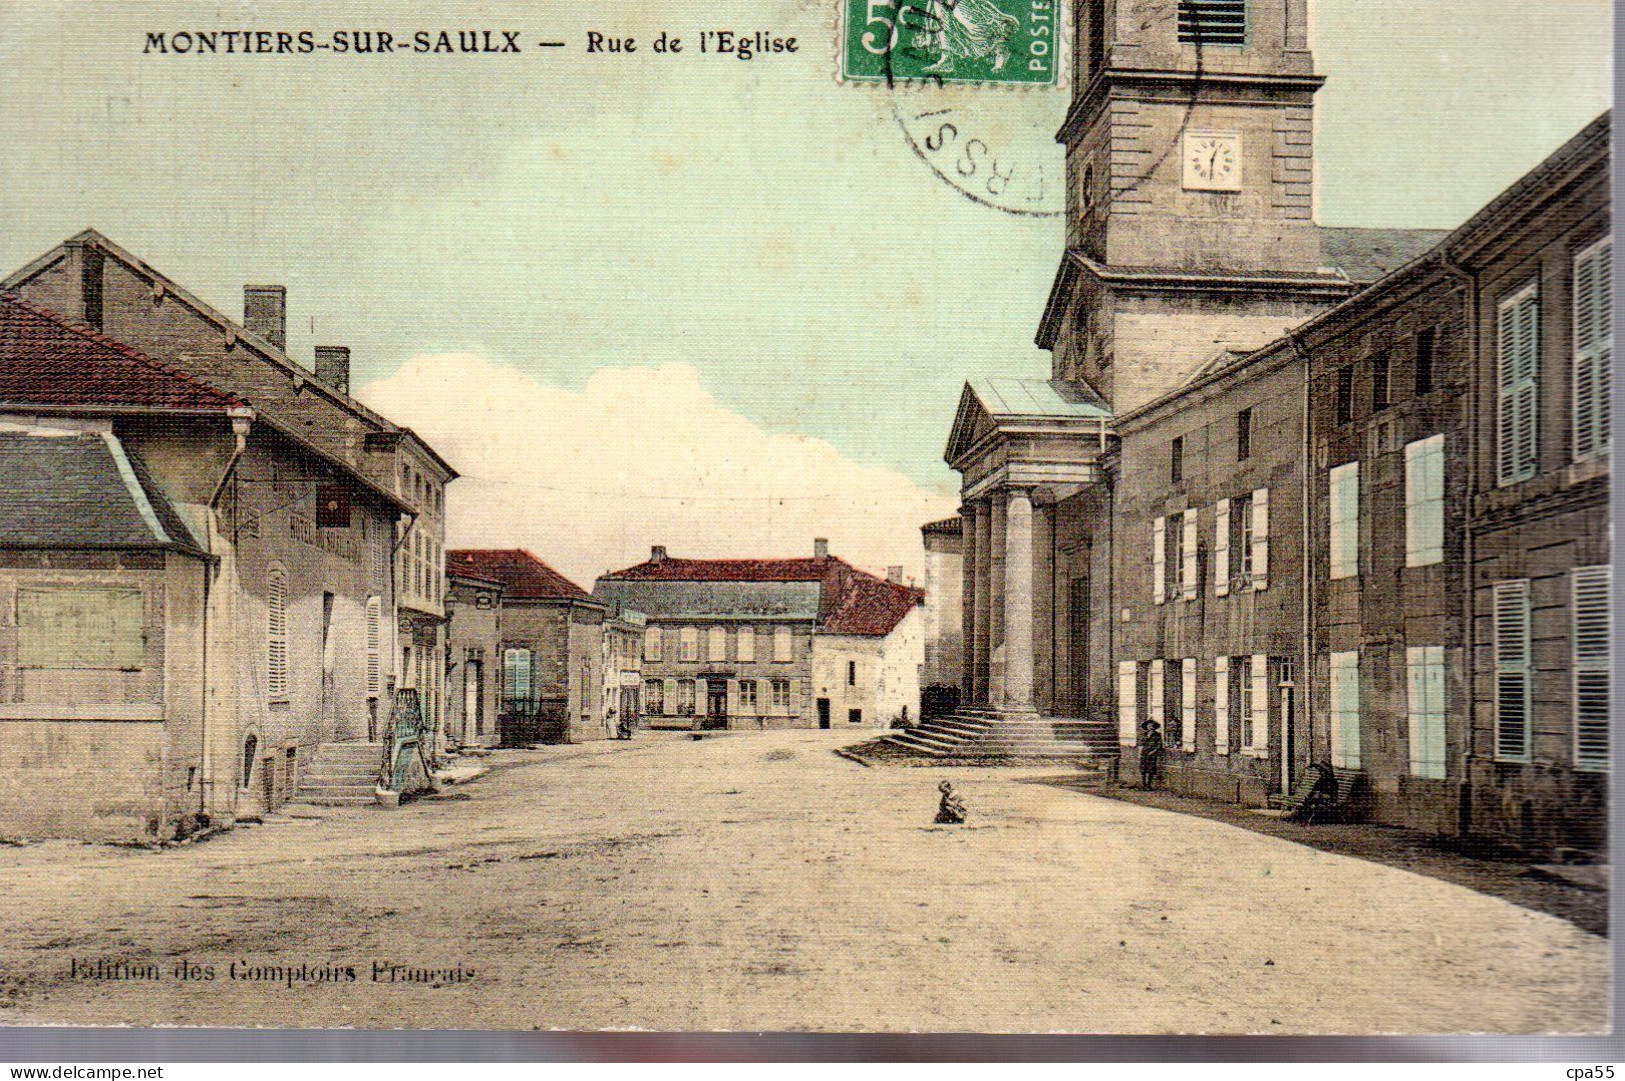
(757, 881)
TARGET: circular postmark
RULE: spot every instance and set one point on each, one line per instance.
(988, 137)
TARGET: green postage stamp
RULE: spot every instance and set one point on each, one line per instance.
(977, 41)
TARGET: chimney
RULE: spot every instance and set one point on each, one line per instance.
(333, 366)
(894, 575)
(820, 547)
(657, 554)
(265, 313)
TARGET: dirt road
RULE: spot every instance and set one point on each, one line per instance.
(757, 881)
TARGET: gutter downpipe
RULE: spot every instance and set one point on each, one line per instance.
(1470, 280)
(1305, 675)
(241, 420)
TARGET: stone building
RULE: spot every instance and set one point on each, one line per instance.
(1247, 503)
(772, 643)
(1538, 553)
(474, 671)
(93, 281)
(944, 621)
(622, 668)
(552, 648)
(193, 596)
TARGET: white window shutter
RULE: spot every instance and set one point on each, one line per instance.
(1127, 726)
(1159, 560)
(1593, 348)
(1221, 548)
(1512, 690)
(1345, 692)
(1424, 501)
(1187, 702)
(1261, 538)
(375, 645)
(1518, 363)
(1187, 551)
(1344, 499)
(1592, 641)
(1156, 692)
(1261, 702)
(1221, 705)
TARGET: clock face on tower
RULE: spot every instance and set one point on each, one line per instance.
(1212, 161)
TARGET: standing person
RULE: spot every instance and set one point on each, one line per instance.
(1150, 754)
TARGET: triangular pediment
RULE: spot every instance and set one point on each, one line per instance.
(972, 423)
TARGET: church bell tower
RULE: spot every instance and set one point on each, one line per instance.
(1190, 205)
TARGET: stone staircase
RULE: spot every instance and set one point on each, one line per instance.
(341, 774)
(975, 733)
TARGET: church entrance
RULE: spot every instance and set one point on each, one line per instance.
(1077, 616)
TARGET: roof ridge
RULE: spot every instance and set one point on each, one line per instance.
(129, 352)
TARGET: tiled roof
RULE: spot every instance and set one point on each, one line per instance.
(46, 360)
(522, 575)
(850, 601)
(1368, 254)
(81, 490)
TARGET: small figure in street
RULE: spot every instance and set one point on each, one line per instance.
(1150, 754)
(950, 811)
(623, 727)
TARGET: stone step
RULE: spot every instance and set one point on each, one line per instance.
(322, 791)
(917, 746)
(339, 801)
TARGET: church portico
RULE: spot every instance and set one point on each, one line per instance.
(1022, 446)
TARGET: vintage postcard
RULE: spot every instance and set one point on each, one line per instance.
(1009, 516)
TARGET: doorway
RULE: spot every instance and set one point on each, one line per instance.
(716, 703)
(1077, 614)
(473, 698)
(823, 713)
(330, 728)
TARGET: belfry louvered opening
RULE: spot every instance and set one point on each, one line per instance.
(1213, 22)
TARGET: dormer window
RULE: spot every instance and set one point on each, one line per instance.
(1213, 22)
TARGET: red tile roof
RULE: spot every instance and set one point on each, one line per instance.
(46, 360)
(523, 576)
(850, 601)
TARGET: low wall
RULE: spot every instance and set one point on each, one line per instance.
(94, 780)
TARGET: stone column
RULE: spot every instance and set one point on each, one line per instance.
(979, 641)
(968, 555)
(995, 604)
(1018, 603)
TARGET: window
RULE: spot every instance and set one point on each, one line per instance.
(781, 695)
(1221, 548)
(717, 646)
(1213, 22)
(1345, 395)
(1592, 646)
(276, 634)
(782, 649)
(1244, 435)
(1176, 460)
(1381, 396)
(375, 646)
(1424, 501)
(1097, 34)
(1173, 706)
(1346, 710)
(1424, 362)
(653, 646)
(1424, 681)
(654, 696)
(1221, 705)
(1187, 556)
(1127, 706)
(251, 748)
(685, 698)
(690, 638)
(1593, 348)
(1246, 520)
(1512, 690)
(1155, 698)
(1345, 520)
(745, 644)
(747, 696)
(854, 716)
(851, 673)
(518, 678)
(1244, 539)
(1159, 560)
(1518, 377)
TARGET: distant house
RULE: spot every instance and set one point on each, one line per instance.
(940, 679)
(772, 643)
(192, 598)
(551, 647)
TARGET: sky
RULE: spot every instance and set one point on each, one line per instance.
(641, 299)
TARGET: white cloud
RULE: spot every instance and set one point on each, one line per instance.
(642, 456)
